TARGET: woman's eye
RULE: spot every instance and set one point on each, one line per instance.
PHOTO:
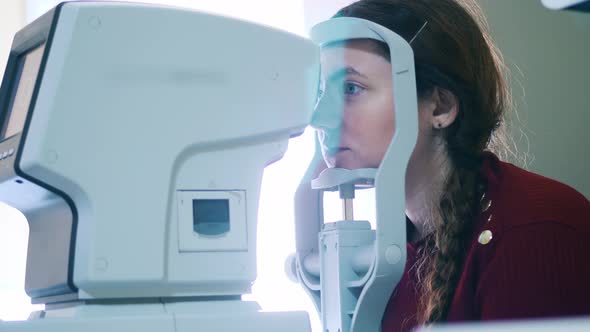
(352, 89)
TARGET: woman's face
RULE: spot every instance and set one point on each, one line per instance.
(358, 97)
(354, 117)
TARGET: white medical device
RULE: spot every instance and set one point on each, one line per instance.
(351, 272)
(133, 139)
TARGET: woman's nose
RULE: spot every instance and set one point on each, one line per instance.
(328, 114)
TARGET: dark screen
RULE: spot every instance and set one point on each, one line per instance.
(22, 92)
(211, 216)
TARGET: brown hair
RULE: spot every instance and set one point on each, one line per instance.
(452, 51)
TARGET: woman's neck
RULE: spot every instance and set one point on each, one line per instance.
(424, 187)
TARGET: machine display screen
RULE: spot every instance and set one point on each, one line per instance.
(22, 91)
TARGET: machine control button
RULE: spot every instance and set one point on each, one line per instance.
(393, 254)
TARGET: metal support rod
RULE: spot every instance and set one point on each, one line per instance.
(348, 209)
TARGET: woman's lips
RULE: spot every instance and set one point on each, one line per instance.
(336, 150)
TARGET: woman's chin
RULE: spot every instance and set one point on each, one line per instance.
(345, 160)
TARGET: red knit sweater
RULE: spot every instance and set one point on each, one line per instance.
(535, 265)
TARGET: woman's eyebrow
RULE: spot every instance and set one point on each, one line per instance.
(341, 73)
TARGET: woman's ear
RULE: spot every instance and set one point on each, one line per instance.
(446, 108)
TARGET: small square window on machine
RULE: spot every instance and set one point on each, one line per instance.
(212, 220)
(211, 216)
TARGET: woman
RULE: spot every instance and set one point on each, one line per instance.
(486, 239)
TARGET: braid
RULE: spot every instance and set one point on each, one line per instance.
(458, 206)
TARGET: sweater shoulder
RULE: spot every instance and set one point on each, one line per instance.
(526, 198)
